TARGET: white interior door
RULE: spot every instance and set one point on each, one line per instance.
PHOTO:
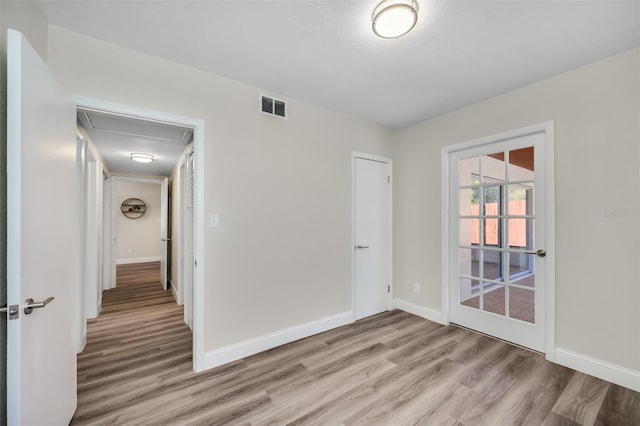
(498, 239)
(164, 228)
(372, 214)
(41, 195)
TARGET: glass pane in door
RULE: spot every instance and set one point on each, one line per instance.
(522, 304)
(469, 171)
(496, 233)
(521, 164)
(493, 299)
(493, 169)
(469, 292)
(492, 262)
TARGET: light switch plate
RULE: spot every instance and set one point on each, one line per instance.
(214, 220)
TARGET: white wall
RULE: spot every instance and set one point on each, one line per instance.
(137, 240)
(596, 110)
(282, 188)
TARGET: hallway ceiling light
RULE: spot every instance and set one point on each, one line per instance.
(142, 158)
(394, 18)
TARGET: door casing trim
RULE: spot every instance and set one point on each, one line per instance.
(199, 225)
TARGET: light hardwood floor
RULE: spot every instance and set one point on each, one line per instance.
(390, 369)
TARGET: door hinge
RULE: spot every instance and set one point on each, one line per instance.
(388, 289)
(388, 179)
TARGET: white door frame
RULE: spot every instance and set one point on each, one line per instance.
(165, 237)
(93, 236)
(355, 155)
(199, 225)
(182, 166)
(81, 197)
(108, 272)
(547, 128)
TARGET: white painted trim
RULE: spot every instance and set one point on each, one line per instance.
(444, 233)
(259, 344)
(421, 311)
(601, 369)
(107, 222)
(389, 163)
(81, 185)
(165, 238)
(547, 128)
(550, 240)
(139, 179)
(173, 290)
(128, 261)
(199, 229)
(199, 224)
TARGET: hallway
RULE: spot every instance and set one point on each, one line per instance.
(137, 349)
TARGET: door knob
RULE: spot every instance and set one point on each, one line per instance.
(540, 253)
(30, 305)
(359, 247)
(165, 239)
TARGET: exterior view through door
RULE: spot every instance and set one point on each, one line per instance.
(497, 275)
(372, 235)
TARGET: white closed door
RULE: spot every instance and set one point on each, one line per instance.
(164, 231)
(497, 247)
(41, 240)
(372, 205)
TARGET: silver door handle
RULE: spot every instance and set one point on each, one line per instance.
(165, 239)
(30, 305)
(359, 247)
(540, 253)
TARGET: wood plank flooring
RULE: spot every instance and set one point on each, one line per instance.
(390, 369)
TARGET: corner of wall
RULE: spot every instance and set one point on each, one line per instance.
(421, 311)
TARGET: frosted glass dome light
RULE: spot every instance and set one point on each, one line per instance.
(394, 18)
(141, 157)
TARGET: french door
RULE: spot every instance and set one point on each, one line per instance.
(497, 239)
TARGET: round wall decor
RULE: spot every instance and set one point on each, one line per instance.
(133, 208)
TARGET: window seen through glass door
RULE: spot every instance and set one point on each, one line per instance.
(496, 230)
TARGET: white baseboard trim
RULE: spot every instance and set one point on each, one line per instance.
(601, 369)
(173, 289)
(253, 346)
(137, 260)
(421, 311)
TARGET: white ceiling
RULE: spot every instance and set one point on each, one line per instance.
(117, 136)
(324, 52)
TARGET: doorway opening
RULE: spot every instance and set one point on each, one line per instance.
(140, 208)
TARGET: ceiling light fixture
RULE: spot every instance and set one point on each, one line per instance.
(394, 18)
(142, 158)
